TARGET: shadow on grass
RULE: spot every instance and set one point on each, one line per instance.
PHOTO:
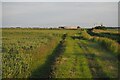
(45, 70)
(113, 36)
(95, 68)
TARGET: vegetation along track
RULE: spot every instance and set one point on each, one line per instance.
(44, 54)
(45, 70)
(113, 36)
(99, 60)
(72, 63)
(85, 59)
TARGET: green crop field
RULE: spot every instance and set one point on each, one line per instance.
(37, 53)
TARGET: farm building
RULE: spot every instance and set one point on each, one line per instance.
(99, 27)
(69, 27)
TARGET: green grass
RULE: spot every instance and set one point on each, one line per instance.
(109, 44)
(84, 34)
(106, 62)
(27, 48)
(35, 53)
(109, 33)
(72, 63)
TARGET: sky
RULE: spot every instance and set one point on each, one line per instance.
(54, 14)
(0, 14)
(119, 14)
(60, 0)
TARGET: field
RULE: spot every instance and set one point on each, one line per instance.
(36, 53)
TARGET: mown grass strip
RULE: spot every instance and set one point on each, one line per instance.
(72, 63)
(106, 63)
(96, 70)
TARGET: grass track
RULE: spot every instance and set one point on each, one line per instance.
(85, 59)
(102, 63)
(72, 63)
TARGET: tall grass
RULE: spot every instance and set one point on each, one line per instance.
(106, 34)
(85, 35)
(107, 43)
(25, 50)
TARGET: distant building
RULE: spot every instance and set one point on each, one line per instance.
(61, 27)
(69, 27)
(100, 27)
